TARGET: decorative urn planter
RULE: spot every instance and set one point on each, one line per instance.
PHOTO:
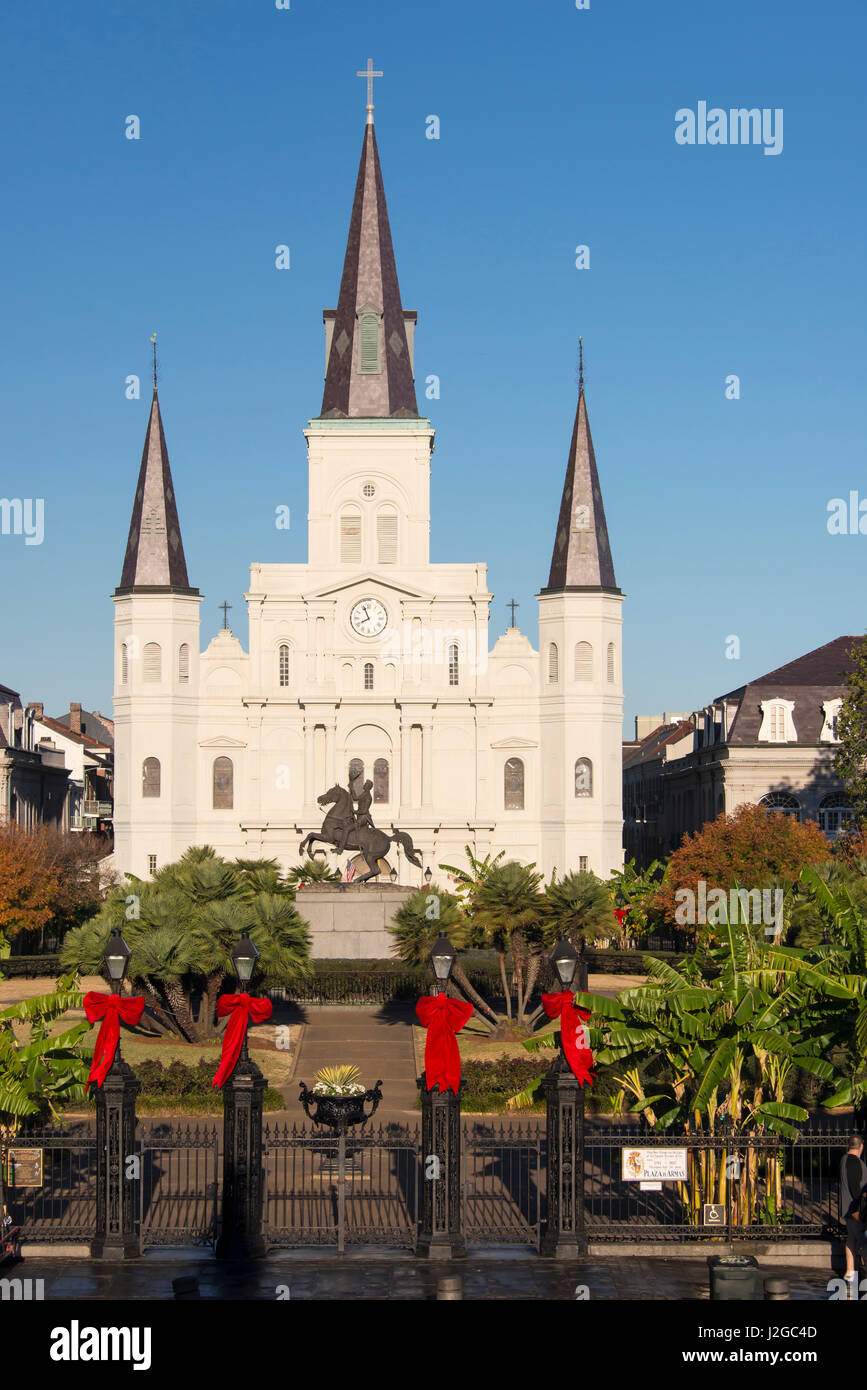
(338, 1112)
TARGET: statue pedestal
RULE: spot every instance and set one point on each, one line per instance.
(348, 920)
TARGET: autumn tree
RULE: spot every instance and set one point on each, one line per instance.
(850, 755)
(29, 882)
(751, 848)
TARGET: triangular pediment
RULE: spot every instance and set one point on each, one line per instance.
(361, 580)
(221, 741)
(515, 743)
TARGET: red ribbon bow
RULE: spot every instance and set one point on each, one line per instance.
(443, 1018)
(110, 1008)
(572, 1033)
(241, 1008)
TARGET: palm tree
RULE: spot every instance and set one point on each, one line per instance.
(415, 928)
(509, 909)
(467, 881)
(181, 927)
(579, 905)
(314, 871)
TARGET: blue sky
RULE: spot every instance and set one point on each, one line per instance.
(557, 129)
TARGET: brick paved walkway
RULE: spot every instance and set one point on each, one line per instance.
(377, 1040)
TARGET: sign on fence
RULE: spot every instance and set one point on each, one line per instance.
(653, 1165)
(714, 1214)
(24, 1168)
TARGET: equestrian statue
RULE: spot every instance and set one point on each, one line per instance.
(349, 826)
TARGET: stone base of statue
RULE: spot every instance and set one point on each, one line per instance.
(348, 921)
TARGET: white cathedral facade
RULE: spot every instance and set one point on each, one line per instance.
(370, 657)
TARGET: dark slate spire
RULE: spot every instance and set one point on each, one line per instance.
(154, 557)
(582, 554)
(369, 290)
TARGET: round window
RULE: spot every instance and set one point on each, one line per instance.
(368, 490)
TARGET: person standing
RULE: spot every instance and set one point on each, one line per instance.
(853, 1185)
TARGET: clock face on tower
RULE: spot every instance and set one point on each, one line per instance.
(368, 617)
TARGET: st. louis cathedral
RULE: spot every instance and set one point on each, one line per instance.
(370, 662)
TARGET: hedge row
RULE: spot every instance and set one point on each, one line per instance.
(189, 1087)
(378, 981)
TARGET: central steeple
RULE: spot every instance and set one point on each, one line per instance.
(369, 372)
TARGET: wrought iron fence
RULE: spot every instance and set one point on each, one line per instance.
(321, 1189)
(179, 1174)
(58, 1203)
(757, 1187)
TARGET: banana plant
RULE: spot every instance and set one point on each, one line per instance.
(41, 1075)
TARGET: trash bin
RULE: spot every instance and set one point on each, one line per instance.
(732, 1277)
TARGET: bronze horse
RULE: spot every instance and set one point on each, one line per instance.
(370, 842)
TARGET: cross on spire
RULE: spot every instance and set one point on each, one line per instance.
(369, 73)
(580, 364)
(513, 605)
(225, 607)
(154, 343)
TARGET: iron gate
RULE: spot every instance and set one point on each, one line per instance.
(503, 1184)
(361, 1189)
(178, 1186)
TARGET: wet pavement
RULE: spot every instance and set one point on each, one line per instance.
(360, 1275)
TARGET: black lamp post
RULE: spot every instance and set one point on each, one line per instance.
(115, 1237)
(441, 1235)
(241, 1233)
(428, 875)
(564, 1096)
(392, 873)
(442, 958)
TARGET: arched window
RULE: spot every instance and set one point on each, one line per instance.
(583, 661)
(350, 537)
(183, 663)
(380, 779)
(513, 785)
(783, 803)
(553, 664)
(835, 815)
(454, 664)
(150, 777)
(611, 676)
(386, 538)
(283, 663)
(368, 348)
(124, 663)
(583, 777)
(224, 784)
(368, 675)
(153, 662)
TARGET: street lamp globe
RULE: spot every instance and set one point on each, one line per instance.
(442, 957)
(244, 958)
(116, 956)
(564, 959)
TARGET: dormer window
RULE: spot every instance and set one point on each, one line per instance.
(831, 710)
(368, 340)
(777, 726)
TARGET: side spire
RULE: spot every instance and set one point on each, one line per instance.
(369, 371)
(582, 552)
(154, 556)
